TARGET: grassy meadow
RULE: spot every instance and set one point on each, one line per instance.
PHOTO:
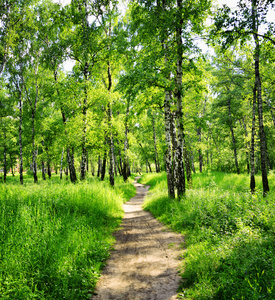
(229, 235)
(55, 236)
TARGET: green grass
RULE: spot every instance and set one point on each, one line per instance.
(229, 233)
(55, 236)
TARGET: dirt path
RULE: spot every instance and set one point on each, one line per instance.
(144, 263)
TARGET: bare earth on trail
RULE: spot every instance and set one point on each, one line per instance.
(145, 261)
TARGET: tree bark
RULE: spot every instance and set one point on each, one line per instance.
(33, 128)
(43, 164)
(155, 144)
(169, 165)
(103, 168)
(49, 171)
(125, 170)
(179, 114)
(174, 147)
(61, 163)
(5, 157)
(192, 163)
(199, 151)
(84, 129)
(98, 166)
(252, 144)
(70, 161)
(187, 165)
(247, 146)
(259, 97)
(111, 145)
(20, 134)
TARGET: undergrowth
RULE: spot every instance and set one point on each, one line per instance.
(229, 233)
(55, 236)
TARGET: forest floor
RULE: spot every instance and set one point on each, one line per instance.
(145, 260)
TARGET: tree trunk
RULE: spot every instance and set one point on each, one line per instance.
(35, 179)
(70, 161)
(192, 163)
(200, 153)
(11, 162)
(247, 146)
(5, 157)
(271, 112)
(92, 166)
(20, 136)
(111, 145)
(98, 166)
(187, 165)
(252, 144)
(179, 114)
(61, 163)
(259, 98)
(174, 147)
(119, 164)
(49, 171)
(169, 165)
(155, 144)
(125, 170)
(84, 129)
(103, 168)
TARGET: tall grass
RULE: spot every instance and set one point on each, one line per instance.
(230, 235)
(55, 236)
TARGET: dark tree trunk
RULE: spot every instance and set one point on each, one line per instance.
(61, 163)
(70, 161)
(49, 171)
(43, 170)
(84, 129)
(92, 166)
(98, 166)
(119, 163)
(11, 162)
(155, 144)
(43, 164)
(126, 167)
(5, 158)
(20, 137)
(252, 145)
(33, 150)
(174, 147)
(247, 146)
(111, 146)
(179, 114)
(187, 165)
(200, 152)
(192, 163)
(259, 97)
(103, 167)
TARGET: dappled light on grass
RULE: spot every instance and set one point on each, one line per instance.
(229, 235)
(55, 237)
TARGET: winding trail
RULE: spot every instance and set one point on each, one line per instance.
(145, 261)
